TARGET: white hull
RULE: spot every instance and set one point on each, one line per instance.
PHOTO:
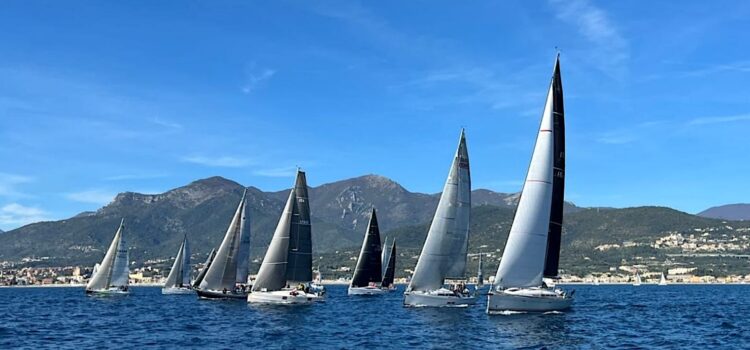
(108, 291)
(177, 290)
(367, 291)
(282, 297)
(528, 300)
(438, 298)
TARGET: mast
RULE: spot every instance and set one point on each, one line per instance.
(272, 273)
(523, 260)
(222, 273)
(299, 266)
(243, 252)
(369, 267)
(444, 251)
(206, 265)
(552, 259)
(390, 267)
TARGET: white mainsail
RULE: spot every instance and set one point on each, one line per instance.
(523, 260)
(222, 274)
(179, 275)
(113, 270)
(444, 252)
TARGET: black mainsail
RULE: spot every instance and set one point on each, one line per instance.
(299, 260)
(369, 267)
(390, 267)
(552, 259)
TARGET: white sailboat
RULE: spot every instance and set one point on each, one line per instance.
(389, 267)
(368, 274)
(480, 273)
(178, 281)
(285, 276)
(637, 279)
(226, 276)
(533, 246)
(111, 276)
(445, 249)
(663, 280)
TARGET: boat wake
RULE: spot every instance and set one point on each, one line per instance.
(507, 312)
(553, 313)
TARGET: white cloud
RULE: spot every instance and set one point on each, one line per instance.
(611, 49)
(719, 120)
(218, 161)
(276, 172)
(9, 182)
(94, 196)
(255, 78)
(15, 215)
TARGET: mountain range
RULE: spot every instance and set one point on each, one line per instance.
(740, 211)
(201, 210)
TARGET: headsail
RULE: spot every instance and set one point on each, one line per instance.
(272, 273)
(113, 270)
(206, 265)
(552, 260)
(222, 273)
(243, 253)
(444, 251)
(369, 267)
(523, 261)
(390, 267)
(299, 266)
(179, 275)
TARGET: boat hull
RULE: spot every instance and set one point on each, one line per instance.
(217, 294)
(177, 291)
(108, 291)
(432, 299)
(281, 297)
(366, 291)
(528, 300)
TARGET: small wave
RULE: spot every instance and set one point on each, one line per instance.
(553, 313)
(507, 312)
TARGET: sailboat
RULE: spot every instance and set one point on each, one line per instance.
(226, 276)
(368, 274)
(389, 270)
(533, 247)
(111, 277)
(663, 280)
(206, 265)
(637, 279)
(178, 281)
(480, 273)
(288, 260)
(445, 249)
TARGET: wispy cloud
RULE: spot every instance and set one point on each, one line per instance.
(628, 135)
(719, 119)
(737, 67)
(219, 161)
(10, 182)
(167, 124)
(13, 215)
(276, 172)
(93, 196)
(255, 77)
(611, 49)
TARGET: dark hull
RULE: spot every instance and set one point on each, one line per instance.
(210, 294)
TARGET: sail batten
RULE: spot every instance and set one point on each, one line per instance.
(528, 248)
(369, 266)
(445, 248)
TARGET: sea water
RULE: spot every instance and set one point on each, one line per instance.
(625, 317)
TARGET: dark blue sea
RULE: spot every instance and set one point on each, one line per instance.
(603, 317)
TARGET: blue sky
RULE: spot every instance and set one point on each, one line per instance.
(98, 98)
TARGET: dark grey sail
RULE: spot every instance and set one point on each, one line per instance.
(299, 261)
(222, 273)
(552, 259)
(207, 264)
(243, 253)
(369, 268)
(272, 273)
(390, 267)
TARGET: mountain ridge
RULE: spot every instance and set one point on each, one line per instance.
(736, 211)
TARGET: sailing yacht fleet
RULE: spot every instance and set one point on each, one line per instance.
(524, 280)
